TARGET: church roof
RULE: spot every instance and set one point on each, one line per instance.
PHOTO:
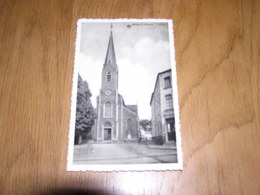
(110, 56)
(132, 107)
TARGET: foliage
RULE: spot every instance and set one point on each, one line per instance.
(145, 123)
(85, 112)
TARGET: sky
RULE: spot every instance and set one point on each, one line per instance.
(142, 51)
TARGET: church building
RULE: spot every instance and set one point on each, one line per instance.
(115, 120)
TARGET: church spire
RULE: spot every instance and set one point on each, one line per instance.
(110, 57)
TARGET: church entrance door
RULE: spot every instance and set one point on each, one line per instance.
(107, 133)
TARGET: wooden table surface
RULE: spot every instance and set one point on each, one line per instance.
(217, 53)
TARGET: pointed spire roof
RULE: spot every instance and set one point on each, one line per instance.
(110, 57)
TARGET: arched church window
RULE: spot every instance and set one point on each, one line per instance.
(108, 76)
(108, 109)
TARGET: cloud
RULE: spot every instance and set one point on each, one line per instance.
(138, 69)
(153, 55)
(90, 71)
(135, 86)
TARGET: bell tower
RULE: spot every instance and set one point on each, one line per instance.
(115, 120)
(107, 103)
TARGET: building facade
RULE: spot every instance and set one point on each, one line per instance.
(163, 122)
(115, 119)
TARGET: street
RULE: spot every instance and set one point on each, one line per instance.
(124, 153)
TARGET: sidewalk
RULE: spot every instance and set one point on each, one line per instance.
(123, 153)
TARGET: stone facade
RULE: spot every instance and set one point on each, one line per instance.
(115, 120)
(163, 123)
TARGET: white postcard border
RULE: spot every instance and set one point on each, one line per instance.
(124, 167)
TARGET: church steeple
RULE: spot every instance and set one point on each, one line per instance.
(110, 56)
(110, 70)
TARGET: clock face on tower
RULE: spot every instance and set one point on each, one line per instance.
(108, 92)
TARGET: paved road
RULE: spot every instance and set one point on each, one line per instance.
(123, 153)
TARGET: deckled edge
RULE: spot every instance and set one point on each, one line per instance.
(175, 95)
(125, 167)
(71, 133)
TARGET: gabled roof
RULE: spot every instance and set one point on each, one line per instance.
(132, 107)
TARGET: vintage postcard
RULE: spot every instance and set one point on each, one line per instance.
(124, 108)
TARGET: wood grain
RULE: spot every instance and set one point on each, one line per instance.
(217, 53)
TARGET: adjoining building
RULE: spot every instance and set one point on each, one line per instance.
(115, 119)
(163, 122)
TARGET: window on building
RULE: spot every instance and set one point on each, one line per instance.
(167, 82)
(108, 76)
(108, 109)
(169, 104)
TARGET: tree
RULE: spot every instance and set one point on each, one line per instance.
(145, 123)
(85, 112)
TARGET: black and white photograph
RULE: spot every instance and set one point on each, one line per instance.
(124, 106)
